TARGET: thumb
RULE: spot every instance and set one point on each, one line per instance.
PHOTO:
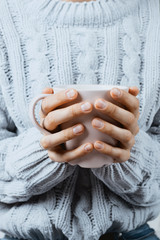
(48, 90)
(134, 90)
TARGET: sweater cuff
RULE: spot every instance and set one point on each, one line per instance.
(133, 180)
(28, 169)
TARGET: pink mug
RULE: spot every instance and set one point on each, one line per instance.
(89, 93)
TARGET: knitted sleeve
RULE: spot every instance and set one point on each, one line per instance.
(25, 168)
(138, 179)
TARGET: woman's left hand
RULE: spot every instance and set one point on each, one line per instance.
(127, 117)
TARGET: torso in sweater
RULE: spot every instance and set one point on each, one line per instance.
(44, 43)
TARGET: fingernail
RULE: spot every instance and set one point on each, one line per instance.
(97, 123)
(86, 106)
(116, 92)
(71, 93)
(78, 129)
(88, 147)
(100, 104)
(99, 145)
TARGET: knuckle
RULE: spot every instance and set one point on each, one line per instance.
(109, 150)
(67, 135)
(50, 120)
(44, 105)
(109, 129)
(65, 157)
(119, 155)
(128, 154)
(54, 157)
(127, 136)
(111, 109)
(130, 119)
(125, 156)
(136, 105)
(73, 111)
(43, 143)
(60, 97)
(131, 142)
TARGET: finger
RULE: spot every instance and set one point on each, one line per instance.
(56, 117)
(119, 155)
(126, 118)
(128, 100)
(47, 90)
(53, 101)
(53, 140)
(67, 156)
(122, 135)
(42, 123)
(134, 91)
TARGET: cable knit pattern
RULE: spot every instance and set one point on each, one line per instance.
(48, 42)
(87, 59)
(131, 46)
(36, 48)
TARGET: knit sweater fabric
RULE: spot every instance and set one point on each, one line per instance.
(48, 42)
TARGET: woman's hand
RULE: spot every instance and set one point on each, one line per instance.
(127, 117)
(51, 118)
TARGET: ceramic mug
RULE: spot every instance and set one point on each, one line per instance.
(89, 93)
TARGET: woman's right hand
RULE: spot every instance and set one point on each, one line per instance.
(52, 118)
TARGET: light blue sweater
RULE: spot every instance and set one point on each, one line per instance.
(49, 42)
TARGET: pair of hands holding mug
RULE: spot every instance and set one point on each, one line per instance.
(51, 118)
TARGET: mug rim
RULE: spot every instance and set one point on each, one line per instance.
(88, 87)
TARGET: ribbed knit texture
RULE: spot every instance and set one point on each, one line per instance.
(49, 42)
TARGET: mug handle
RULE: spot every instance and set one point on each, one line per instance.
(32, 111)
